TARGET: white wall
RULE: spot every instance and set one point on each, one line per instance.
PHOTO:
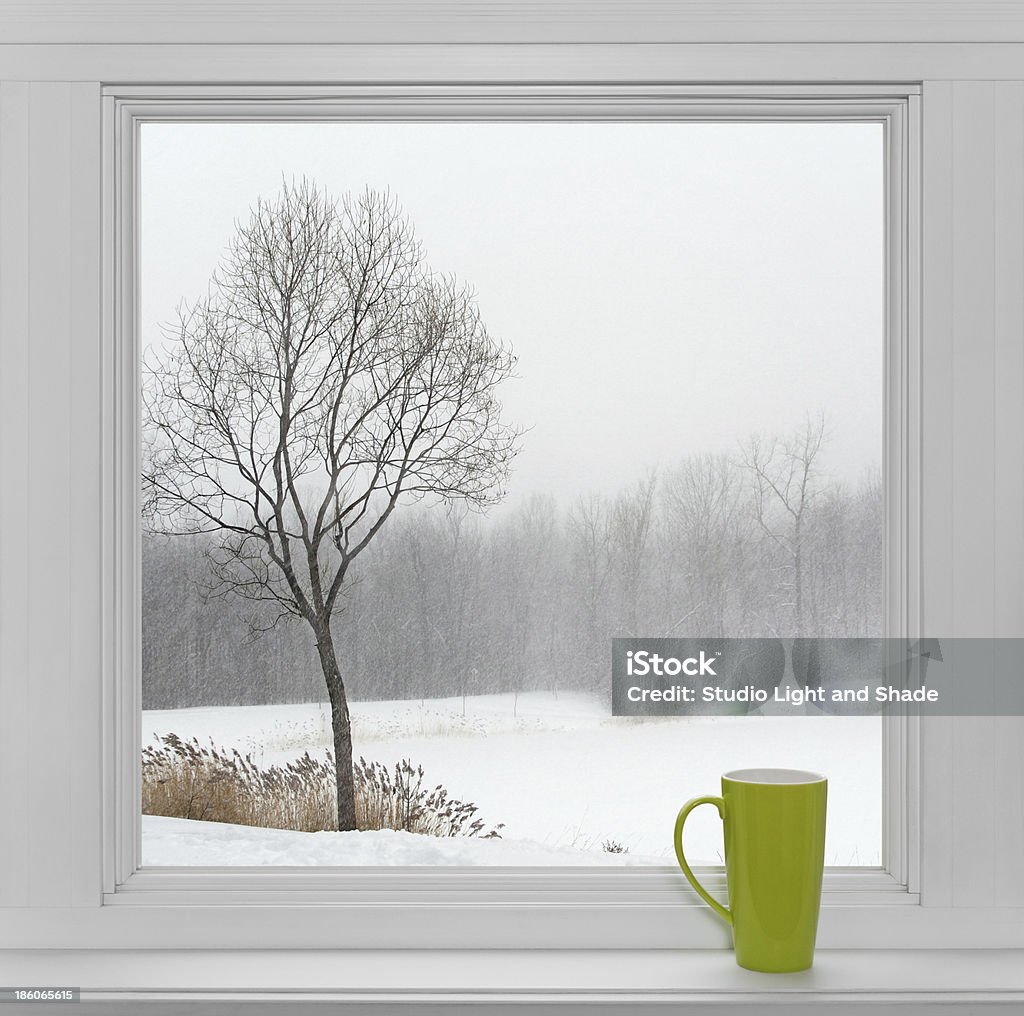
(52, 536)
(973, 470)
(50, 442)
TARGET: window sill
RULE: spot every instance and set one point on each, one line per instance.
(583, 978)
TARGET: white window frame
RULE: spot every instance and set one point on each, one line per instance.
(556, 908)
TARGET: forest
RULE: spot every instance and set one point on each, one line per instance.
(451, 602)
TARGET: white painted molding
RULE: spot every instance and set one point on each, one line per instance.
(50, 887)
(507, 21)
(595, 978)
(502, 909)
(499, 64)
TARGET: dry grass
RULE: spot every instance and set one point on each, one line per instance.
(398, 800)
(183, 779)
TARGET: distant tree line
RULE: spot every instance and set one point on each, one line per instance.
(449, 603)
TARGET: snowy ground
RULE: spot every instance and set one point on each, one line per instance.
(562, 774)
(174, 841)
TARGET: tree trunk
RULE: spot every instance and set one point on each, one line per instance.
(798, 576)
(341, 725)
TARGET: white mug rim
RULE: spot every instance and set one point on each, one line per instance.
(773, 777)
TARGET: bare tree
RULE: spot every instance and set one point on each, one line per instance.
(592, 559)
(631, 521)
(460, 591)
(702, 498)
(785, 483)
(327, 377)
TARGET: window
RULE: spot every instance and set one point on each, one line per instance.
(653, 249)
(69, 658)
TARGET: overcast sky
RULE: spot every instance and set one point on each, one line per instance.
(668, 288)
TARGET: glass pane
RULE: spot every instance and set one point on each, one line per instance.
(432, 412)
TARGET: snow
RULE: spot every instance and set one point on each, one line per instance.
(176, 842)
(560, 772)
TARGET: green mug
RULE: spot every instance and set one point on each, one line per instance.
(774, 859)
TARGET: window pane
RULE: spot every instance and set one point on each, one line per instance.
(432, 412)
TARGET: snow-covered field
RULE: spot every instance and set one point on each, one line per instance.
(173, 841)
(561, 773)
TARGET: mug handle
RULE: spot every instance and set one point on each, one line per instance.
(677, 840)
